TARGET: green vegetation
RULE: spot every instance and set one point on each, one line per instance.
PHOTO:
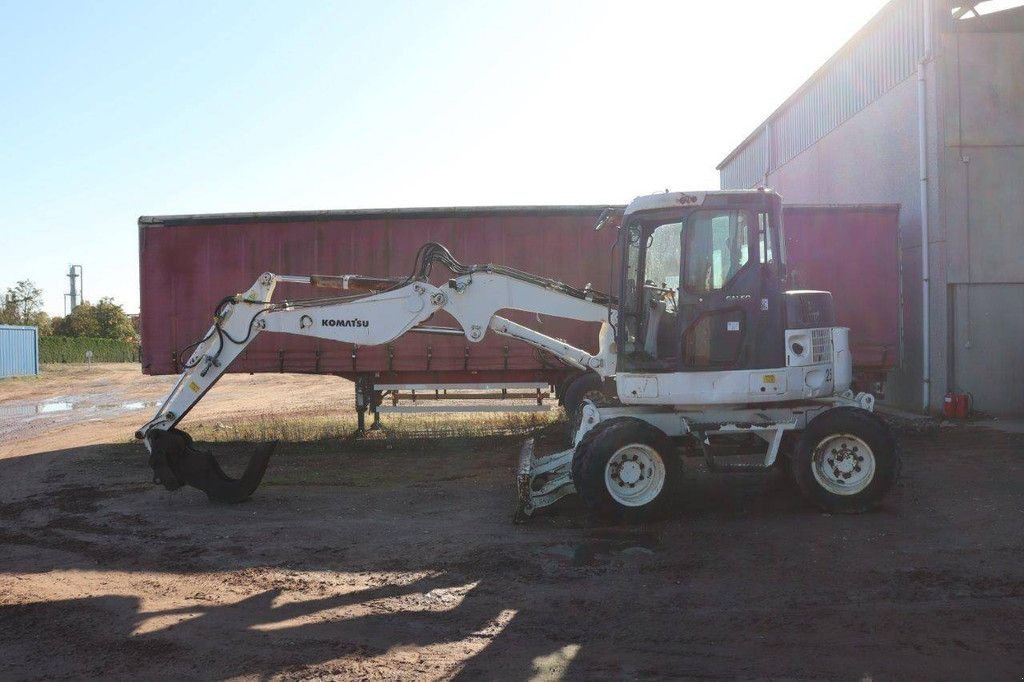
(60, 349)
(22, 304)
(106, 320)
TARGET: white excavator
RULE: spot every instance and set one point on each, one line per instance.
(702, 349)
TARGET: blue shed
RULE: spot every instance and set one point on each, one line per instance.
(19, 351)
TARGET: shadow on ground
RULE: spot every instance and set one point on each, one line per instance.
(394, 561)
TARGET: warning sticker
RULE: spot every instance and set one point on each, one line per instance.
(194, 386)
(768, 378)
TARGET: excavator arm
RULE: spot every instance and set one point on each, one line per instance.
(370, 311)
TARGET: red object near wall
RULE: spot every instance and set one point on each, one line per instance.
(188, 263)
(956, 405)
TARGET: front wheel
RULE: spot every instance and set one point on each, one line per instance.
(626, 470)
(846, 461)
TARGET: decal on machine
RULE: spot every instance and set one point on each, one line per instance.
(344, 323)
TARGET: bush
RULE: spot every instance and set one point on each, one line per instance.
(54, 349)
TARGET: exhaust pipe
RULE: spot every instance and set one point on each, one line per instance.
(177, 462)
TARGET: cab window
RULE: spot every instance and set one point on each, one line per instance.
(717, 247)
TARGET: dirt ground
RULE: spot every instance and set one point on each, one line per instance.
(397, 560)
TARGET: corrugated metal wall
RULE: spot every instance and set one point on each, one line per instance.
(19, 351)
(883, 54)
(749, 165)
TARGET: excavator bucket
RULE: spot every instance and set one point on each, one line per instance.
(177, 462)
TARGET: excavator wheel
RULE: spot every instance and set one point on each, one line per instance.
(846, 461)
(626, 470)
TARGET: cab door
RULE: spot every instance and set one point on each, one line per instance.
(728, 296)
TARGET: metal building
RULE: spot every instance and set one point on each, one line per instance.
(19, 351)
(923, 107)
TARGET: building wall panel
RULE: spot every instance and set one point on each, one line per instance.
(989, 364)
(19, 351)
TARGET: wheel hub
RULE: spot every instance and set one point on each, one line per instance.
(635, 475)
(843, 464)
(629, 473)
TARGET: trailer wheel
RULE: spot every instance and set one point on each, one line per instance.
(583, 387)
(846, 461)
(626, 469)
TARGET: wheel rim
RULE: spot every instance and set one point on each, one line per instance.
(843, 464)
(634, 475)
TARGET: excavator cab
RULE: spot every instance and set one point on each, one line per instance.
(703, 276)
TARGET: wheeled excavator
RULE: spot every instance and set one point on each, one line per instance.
(703, 348)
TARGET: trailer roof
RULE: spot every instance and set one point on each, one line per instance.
(843, 207)
(362, 214)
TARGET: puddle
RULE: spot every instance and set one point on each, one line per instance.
(46, 408)
(65, 406)
(29, 410)
(128, 406)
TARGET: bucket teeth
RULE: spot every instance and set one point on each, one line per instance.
(176, 462)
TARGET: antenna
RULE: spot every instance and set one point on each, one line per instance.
(77, 293)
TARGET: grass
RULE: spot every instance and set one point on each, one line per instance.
(319, 427)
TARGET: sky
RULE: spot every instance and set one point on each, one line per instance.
(112, 110)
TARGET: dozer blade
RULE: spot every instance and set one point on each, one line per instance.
(541, 481)
(524, 508)
(177, 462)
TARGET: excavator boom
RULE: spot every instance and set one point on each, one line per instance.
(380, 310)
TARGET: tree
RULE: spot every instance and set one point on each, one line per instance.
(113, 321)
(106, 320)
(50, 328)
(23, 304)
(79, 322)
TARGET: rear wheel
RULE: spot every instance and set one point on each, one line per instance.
(846, 461)
(626, 469)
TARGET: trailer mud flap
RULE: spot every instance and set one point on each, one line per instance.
(177, 462)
